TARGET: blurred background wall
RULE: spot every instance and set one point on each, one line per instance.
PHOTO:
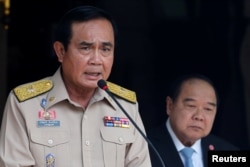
(158, 41)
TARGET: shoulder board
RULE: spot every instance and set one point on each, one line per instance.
(122, 92)
(30, 90)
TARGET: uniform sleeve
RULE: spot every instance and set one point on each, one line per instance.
(138, 153)
(14, 141)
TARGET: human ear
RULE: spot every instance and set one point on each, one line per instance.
(169, 105)
(59, 49)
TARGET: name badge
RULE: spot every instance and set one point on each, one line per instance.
(48, 123)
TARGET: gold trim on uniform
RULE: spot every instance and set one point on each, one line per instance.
(122, 92)
(28, 91)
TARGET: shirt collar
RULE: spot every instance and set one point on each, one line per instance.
(179, 146)
(59, 92)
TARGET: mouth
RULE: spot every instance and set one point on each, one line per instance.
(94, 74)
(196, 128)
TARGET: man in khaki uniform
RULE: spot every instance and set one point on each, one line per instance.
(66, 120)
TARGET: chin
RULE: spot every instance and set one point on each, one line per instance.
(90, 85)
(195, 136)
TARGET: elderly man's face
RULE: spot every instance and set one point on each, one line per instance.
(193, 112)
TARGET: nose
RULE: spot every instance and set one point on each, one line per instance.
(95, 58)
(199, 115)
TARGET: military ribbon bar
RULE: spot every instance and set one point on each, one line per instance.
(116, 122)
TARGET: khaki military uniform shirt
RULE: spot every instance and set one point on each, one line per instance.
(51, 130)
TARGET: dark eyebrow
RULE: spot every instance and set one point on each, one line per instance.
(212, 104)
(85, 43)
(107, 44)
(190, 99)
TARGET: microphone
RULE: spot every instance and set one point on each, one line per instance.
(103, 85)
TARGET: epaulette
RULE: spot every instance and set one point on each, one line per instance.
(122, 92)
(30, 90)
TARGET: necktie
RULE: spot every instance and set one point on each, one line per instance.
(187, 153)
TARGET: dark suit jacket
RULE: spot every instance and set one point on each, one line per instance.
(164, 144)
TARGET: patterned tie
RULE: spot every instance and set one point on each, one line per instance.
(187, 153)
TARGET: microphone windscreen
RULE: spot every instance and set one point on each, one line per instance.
(102, 84)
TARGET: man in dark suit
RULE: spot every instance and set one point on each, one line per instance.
(191, 108)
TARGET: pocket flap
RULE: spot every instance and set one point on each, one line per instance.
(117, 135)
(50, 138)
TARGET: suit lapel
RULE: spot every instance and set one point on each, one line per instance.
(205, 145)
(167, 148)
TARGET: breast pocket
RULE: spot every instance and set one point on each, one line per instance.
(115, 142)
(50, 145)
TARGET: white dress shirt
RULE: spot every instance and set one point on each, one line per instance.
(197, 157)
